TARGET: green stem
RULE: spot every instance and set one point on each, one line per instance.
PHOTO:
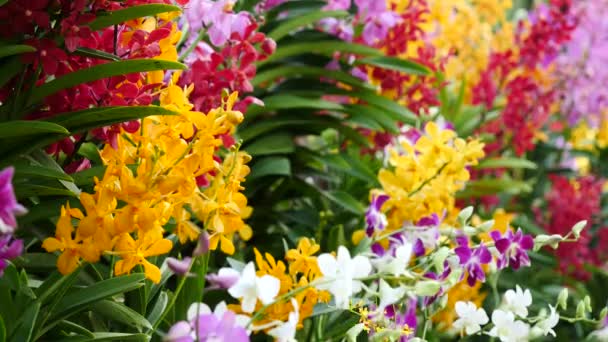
(192, 46)
(182, 281)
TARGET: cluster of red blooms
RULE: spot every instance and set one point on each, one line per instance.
(56, 55)
(527, 101)
(231, 68)
(568, 203)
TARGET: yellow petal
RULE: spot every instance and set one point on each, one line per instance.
(245, 232)
(152, 271)
(67, 261)
(52, 244)
(159, 247)
(226, 245)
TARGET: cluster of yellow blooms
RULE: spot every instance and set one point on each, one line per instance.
(295, 279)
(468, 31)
(425, 175)
(150, 178)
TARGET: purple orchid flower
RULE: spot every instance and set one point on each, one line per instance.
(208, 327)
(472, 259)
(374, 217)
(211, 328)
(9, 208)
(404, 319)
(337, 5)
(179, 267)
(9, 249)
(376, 29)
(513, 248)
(427, 234)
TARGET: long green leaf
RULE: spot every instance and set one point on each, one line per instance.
(506, 162)
(93, 53)
(271, 144)
(98, 72)
(95, 117)
(159, 307)
(291, 101)
(327, 48)
(31, 190)
(25, 324)
(10, 69)
(397, 64)
(107, 336)
(346, 201)
(22, 128)
(75, 328)
(133, 12)
(308, 72)
(2, 330)
(304, 20)
(78, 300)
(10, 50)
(40, 171)
(121, 313)
(270, 166)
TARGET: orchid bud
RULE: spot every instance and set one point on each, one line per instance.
(578, 228)
(562, 299)
(587, 301)
(427, 288)
(486, 226)
(203, 244)
(603, 314)
(464, 215)
(580, 310)
(179, 267)
(269, 46)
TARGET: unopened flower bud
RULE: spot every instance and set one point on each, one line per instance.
(179, 267)
(578, 228)
(224, 279)
(562, 299)
(234, 117)
(427, 288)
(580, 310)
(603, 314)
(269, 46)
(464, 215)
(203, 244)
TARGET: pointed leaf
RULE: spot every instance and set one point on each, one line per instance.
(346, 201)
(271, 144)
(275, 166)
(22, 128)
(104, 20)
(86, 52)
(326, 48)
(9, 50)
(98, 72)
(120, 313)
(292, 24)
(506, 162)
(397, 64)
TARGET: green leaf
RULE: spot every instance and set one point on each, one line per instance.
(308, 72)
(2, 330)
(291, 101)
(79, 299)
(98, 72)
(10, 50)
(506, 162)
(270, 166)
(55, 285)
(484, 187)
(86, 177)
(303, 20)
(194, 287)
(75, 328)
(107, 19)
(84, 120)
(40, 171)
(31, 190)
(108, 336)
(10, 69)
(25, 323)
(326, 48)
(271, 144)
(22, 128)
(92, 53)
(121, 313)
(346, 201)
(159, 307)
(397, 64)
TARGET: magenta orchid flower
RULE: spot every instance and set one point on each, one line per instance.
(374, 217)
(513, 248)
(472, 259)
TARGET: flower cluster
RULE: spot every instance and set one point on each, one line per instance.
(227, 61)
(10, 247)
(509, 321)
(151, 177)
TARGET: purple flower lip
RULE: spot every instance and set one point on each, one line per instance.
(224, 279)
(180, 267)
(513, 248)
(472, 259)
(9, 249)
(9, 208)
(374, 217)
